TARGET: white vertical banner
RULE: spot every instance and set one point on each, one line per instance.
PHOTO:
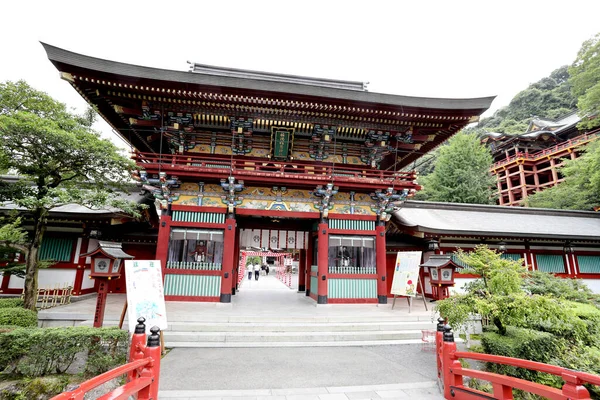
(291, 240)
(300, 240)
(145, 294)
(245, 238)
(274, 240)
(264, 238)
(406, 273)
(283, 244)
(255, 238)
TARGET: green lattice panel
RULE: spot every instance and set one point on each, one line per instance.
(351, 224)
(192, 285)
(57, 249)
(352, 288)
(202, 217)
(550, 263)
(589, 264)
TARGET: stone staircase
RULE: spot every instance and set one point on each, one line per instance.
(295, 332)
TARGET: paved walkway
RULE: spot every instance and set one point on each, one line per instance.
(321, 373)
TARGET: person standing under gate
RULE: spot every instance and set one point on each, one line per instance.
(267, 269)
(250, 270)
(256, 271)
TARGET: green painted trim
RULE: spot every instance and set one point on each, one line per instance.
(352, 288)
(56, 249)
(192, 285)
(314, 285)
(589, 264)
(550, 263)
(351, 224)
(201, 217)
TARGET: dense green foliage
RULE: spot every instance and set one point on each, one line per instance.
(18, 316)
(43, 351)
(253, 260)
(534, 315)
(581, 188)
(11, 302)
(59, 160)
(461, 173)
(585, 81)
(550, 97)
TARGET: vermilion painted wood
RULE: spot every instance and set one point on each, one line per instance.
(129, 389)
(351, 232)
(355, 217)
(351, 301)
(192, 298)
(90, 384)
(186, 224)
(352, 276)
(206, 209)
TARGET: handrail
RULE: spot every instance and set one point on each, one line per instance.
(586, 137)
(451, 372)
(266, 167)
(143, 371)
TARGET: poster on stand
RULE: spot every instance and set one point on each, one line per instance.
(406, 273)
(145, 294)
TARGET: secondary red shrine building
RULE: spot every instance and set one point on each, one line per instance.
(250, 160)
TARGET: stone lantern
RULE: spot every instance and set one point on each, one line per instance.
(107, 263)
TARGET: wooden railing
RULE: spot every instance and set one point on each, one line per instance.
(256, 167)
(143, 370)
(586, 137)
(451, 373)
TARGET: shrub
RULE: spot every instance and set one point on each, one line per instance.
(525, 344)
(11, 302)
(18, 316)
(43, 351)
(543, 283)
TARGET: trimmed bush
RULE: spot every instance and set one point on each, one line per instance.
(18, 316)
(525, 344)
(11, 302)
(43, 351)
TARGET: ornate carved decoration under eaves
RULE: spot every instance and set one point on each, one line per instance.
(375, 148)
(321, 139)
(241, 131)
(231, 198)
(388, 201)
(159, 186)
(325, 195)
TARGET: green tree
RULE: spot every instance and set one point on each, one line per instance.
(461, 173)
(59, 160)
(580, 189)
(550, 97)
(585, 82)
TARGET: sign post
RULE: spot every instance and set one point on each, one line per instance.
(406, 277)
(145, 294)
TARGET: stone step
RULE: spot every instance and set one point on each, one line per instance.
(292, 344)
(323, 336)
(298, 326)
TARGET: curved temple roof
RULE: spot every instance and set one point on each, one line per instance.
(483, 220)
(61, 58)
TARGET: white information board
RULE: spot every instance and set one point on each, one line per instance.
(406, 273)
(145, 294)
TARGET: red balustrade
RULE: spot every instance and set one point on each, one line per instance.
(451, 373)
(586, 137)
(143, 371)
(248, 167)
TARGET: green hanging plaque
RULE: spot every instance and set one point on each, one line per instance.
(282, 141)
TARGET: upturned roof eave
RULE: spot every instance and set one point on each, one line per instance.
(60, 58)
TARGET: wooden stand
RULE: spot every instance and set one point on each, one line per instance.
(408, 298)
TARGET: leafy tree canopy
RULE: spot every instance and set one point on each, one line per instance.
(59, 160)
(585, 82)
(461, 173)
(581, 188)
(550, 97)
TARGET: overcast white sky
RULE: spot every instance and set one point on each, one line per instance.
(417, 48)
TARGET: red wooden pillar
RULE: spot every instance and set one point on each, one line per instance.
(162, 243)
(322, 262)
(302, 271)
(100, 303)
(4, 284)
(380, 262)
(227, 269)
(309, 262)
(236, 264)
